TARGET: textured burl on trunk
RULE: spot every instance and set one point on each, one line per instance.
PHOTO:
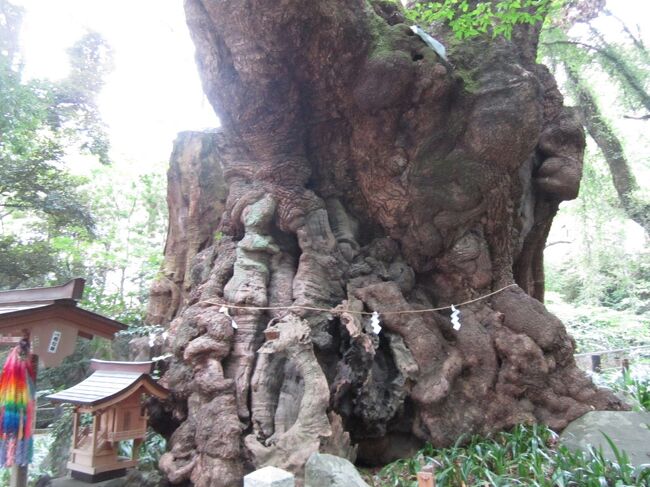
(365, 175)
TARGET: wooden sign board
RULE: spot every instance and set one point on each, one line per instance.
(53, 341)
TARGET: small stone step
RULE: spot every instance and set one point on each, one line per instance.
(323, 470)
(269, 477)
(70, 482)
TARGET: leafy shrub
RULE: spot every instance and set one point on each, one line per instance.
(528, 455)
(61, 431)
(637, 388)
(151, 450)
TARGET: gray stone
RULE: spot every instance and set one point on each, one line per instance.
(269, 477)
(116, 483)
(323, 470)
(628, 430)
(139, 478)
(134, 478)
(44, 481)
(70, 482)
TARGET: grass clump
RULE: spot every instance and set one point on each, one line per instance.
(528, 455)
(638, 388)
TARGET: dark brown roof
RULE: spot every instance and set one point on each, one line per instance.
(10, 308)
(24, 307)
(105, 387)
(87, 322)
(70, 290)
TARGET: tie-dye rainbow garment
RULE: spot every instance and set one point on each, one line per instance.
(17, 406)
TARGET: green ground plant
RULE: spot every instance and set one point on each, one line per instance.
(528, 455)
(151, 450)
(637, 388)
(470, 19)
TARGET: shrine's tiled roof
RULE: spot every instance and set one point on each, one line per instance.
(111, 384)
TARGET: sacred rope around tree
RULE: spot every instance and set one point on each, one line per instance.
(368, 313)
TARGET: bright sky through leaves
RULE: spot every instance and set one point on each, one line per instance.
(154, 91)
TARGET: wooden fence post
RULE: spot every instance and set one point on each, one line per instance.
(626, 366)
(426, 477)
(595, 363)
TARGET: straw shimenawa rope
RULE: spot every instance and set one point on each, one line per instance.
(369, 313)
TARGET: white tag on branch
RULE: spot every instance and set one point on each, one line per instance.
(152, 340)
(225, 311)
(374, 321)
(430, 41)
(455, 318)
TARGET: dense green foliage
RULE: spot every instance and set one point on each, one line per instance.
(528, 455)
(120, 263)
(589, 59)
(61, 432)
(107, 224)
(152, 449)
(469, 19)
(40, 200)
(597, 328)
(603, 63)
(32, 181)
(600, 266)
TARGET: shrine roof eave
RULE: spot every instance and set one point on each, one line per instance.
(88, 323)
(104, 389)
(72, 290)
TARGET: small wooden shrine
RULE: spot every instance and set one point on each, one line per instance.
(52, 319)
(109, 409)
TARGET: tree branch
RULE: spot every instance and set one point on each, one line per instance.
(612, 149)
(557, 242)
(636, 40)
(618, 63)
(642, 117)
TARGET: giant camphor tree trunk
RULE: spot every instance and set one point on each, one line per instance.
(364, 175)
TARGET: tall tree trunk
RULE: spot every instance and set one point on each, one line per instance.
(363, 176)
(196, 194)
(613, 152)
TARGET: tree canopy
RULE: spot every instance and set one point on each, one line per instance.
(42, 122)
(106, 226)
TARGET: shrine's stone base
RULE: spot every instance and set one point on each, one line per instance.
(75, 482)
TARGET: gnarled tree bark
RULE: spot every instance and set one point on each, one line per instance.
(196, 194)
(364, 175)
